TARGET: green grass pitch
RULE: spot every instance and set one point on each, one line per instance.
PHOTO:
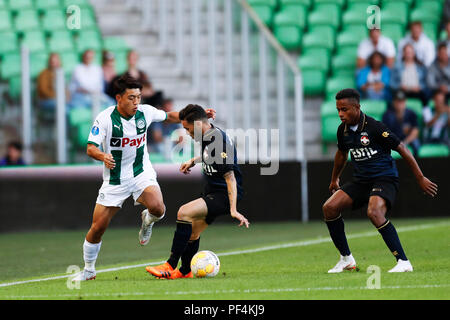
(269, 261)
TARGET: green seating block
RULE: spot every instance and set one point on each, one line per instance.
(78, 116)
(15, 87)
(293, 3)
(395, 12)
(115, 44)
(336, 84)
(79, 3)
(325, 14)
(38, 62)
(53, 20)
(17, 5)
(419, 14)
(355, 15)
(34, 40)
(313, 82)
(265, 13)
(330, 125)
(320, 37)
(434, 151)
(26, 20)
(69, 60)
(373, 108)
(290, 37)
(271, 3)
(11, 65)
(315, 59)
(328, 108)
(343, 62)
(5, 21)
(89, 39)
(61, 41)
(42, 6)
(9, 42)
(394, 31)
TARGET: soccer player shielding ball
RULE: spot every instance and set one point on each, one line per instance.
(222, 193)
(375, 179)
(121, 131)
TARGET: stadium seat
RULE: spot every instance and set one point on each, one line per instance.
(5, 21)
(18, 5)
(271, 3)
(325, 14)
(69, 60)
(330, 125)
(288, 27)
(34, 40)
(61, 41)
(15, 87)
(11, 65)
(336, 84)
(366, 3)
(418, 14)
(9, 42)
(89, 39)
(343, 64)
(121, 61)
(351, 37)
(374, 108)
(26, 20)
(339, 3)
(328, 108)
(355, 14)
(88, 19)
(79, 3)
(38, 62)
(115, 44)
(320, 37)
(265, 13)
(431, 30)
(433, 6)
(416, 106)
(157, 158)
(43, 6)
(434, 151)
(53, 20)
(3, 4)
(395, 12)
(78, 116)
(315, 59)
(314, 82)
(288, 3)
(394, 31)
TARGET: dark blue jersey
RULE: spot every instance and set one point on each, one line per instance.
(219, 157)
(370, 148)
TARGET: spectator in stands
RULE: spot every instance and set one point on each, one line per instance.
(160, 132)
(152, 97)
(87, 81)
(447, 39)
(437, 121)
(133, 70)
(376, 42)
(438, 77)
(410, 76)
(424, 47)
(46, 85)
(109, 69)
(403, 122)
(373, 80)
(13, 156)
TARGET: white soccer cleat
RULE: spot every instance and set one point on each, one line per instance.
(345, 263)
(85, 275)
(146, 228)
(402, 266)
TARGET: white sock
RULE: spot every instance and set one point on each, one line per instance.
(90, 253)
(155, 218)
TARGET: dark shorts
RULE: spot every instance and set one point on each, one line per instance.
(361, 191)
(218, 204)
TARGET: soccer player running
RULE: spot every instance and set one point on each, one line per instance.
(121, 131)
(222, 193)
(375, 179)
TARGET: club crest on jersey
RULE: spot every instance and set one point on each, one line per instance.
(365, 140)
(140, 124)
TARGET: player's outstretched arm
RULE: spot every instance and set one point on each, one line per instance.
(425, 184)
(232, 196)
(97, 154)
(340, 160)
(173, 116)
(186, 167)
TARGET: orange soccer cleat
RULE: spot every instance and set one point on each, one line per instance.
(161, 270)
(176, 274)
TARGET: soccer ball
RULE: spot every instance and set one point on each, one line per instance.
(205, 264)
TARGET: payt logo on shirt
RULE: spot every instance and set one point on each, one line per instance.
(123, 142)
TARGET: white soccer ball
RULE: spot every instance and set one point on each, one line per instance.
(205, 264)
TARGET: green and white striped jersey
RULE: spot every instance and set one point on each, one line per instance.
(126, 140)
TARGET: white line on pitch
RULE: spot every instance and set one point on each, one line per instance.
(261, 249)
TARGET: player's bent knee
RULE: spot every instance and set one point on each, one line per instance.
(157, 209)
(330, 211)
(183, 214)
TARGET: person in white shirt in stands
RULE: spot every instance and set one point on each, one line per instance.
(424, 47)
(376, 42)
(87, 81)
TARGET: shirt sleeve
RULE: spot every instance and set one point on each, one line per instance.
(98, 132)
(385, 136)
(153, 114)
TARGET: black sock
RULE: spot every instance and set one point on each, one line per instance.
(337, 233)
(180, 241)
(186, 258)
(390, 237)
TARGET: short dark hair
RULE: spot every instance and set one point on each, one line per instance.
(441, 45)
(193, 112)
(350, 94)
(16, 145)
(126, 82)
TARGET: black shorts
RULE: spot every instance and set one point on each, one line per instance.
(361, 191)
(218, 204)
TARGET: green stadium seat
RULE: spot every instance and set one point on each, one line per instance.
(347, 50)
(328, 108)
(394, 31)
(374, 108)
(315, 59)
(336, 84)
(34, 40)
(416, 106)
(346, 62)
(89, 39)
(355, 14)
(340, 3)
(11, 65)
(43, 6)
(15, 87)
(38, 62)
(408, 2)
(431, 30)
(69, 60)
(433, 6)
(330, 125)
(366, 3)
(157, 158)
(292, 3)
(325, 14)
(3, 4)
(115, 44)
(314, 82)
(61, 41)
(320, 37)
(121, 61)
(78, 116)
(83, 130)
(79, 3)
(271, 3)
(395, 12)
(5, 21)
(53, 20)
(9, 42)
(434, 151)
(18, 5)
(418, 14)
(288, 27)
(350, 37)
(26, 20)
(265, 13)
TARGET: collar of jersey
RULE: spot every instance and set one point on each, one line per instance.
(117, 111)
(361, 124)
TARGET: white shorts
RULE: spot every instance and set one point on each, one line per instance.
(115, 196)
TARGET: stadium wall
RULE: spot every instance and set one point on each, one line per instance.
(64, 197)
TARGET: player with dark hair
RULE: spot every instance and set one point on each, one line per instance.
(222, 193)
(121, 132)
(375, 179)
